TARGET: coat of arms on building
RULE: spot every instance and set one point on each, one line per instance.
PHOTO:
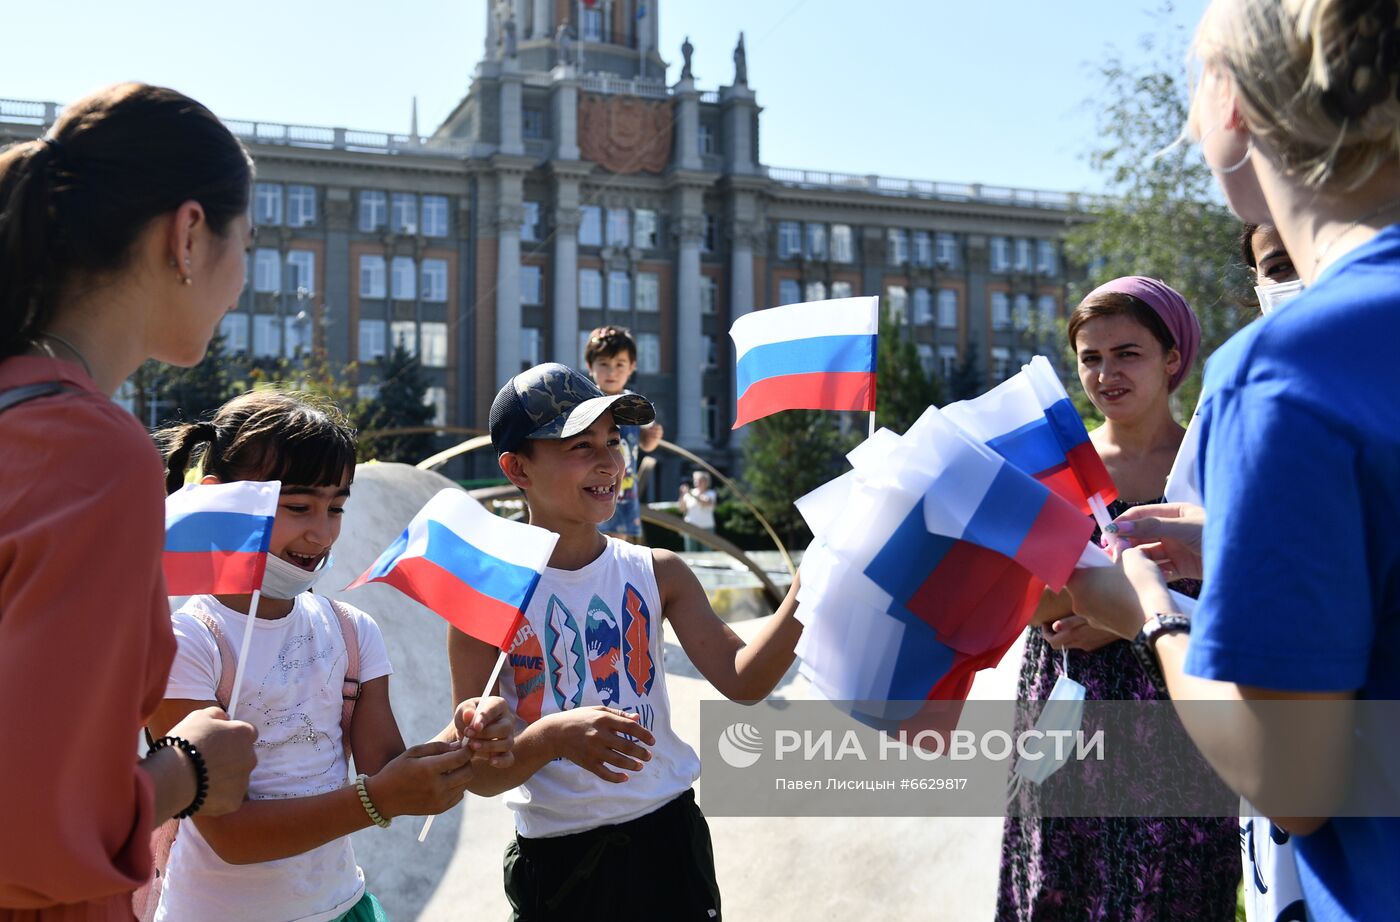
(625, 134)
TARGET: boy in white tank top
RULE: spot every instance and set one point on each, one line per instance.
(606, 821)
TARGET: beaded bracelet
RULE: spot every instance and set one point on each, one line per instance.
(379, 821)
(201, 771)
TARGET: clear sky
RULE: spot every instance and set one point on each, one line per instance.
(992, 91)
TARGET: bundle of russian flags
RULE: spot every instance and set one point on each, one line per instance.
(933, 552)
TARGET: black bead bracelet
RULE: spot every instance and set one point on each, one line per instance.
(201, 772)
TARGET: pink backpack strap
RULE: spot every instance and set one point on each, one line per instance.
(350, 691)
(228, 665)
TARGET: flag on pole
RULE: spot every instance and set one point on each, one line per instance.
(815, 356)
(217, 536)
(474, 569)
(1030, 421)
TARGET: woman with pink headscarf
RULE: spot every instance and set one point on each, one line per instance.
(1135, 340)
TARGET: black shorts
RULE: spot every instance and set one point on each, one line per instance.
(657, 867)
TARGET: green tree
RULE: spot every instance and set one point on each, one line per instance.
(1162, 216)
(966, 379)
(789, 454)
(183, 394)
(903, 389)
(399, 404)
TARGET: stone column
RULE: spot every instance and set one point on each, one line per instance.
(739, 106)
(542, 27)
(512, 95)
(339, 340)
(565, 308)
(690, 231)
(509, 213)
(563, 96)
(687, 155)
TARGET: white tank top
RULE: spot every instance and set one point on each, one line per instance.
(593, 636)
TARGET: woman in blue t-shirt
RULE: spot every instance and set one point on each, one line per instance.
(1298, 115)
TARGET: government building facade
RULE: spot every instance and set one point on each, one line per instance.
(584, 181)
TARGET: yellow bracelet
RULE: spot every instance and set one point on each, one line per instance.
(379, 821)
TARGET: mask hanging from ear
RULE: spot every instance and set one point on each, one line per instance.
(1063, 713)
(283, 580)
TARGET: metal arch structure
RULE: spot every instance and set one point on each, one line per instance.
(670, 522)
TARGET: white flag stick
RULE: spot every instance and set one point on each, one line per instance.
(490, 684)
(1100, 511)
(243, 653)
(872, 424)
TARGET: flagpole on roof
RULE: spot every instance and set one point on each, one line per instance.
(490, 684)
(243, 653)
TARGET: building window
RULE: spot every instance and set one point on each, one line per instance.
(301, 271)
(897, 303)
(948, 361)
(531, 347)
(1047, 309)
(434, 338)
(301, 206)
(372, 340)
(927, 358)
(843, 247)
(1047, 260)
(789, 239)
(1021, 312)
(711, 242)
(1001, 363)
(532, 123)
(709, 293)
(1000, 254)
(706, 137)
(432, 280)
(648, 291)
(897, 246)
(434, 216)
(371, 276)
(923, 248)
(619, 227)
(947, 251)
(590, 288)
(530, 223)
(1001, 311)
(405, 213)
(590, 228)
(267, 203)
(816, 241)
(709, 419)
(814, 291)
(436, 397)
(592, 24)
(1023, 255)
(403, 278)
(405, 334)
(265, 336)
(840, 289)
(923, 306)
(707, 351)
(234, 328)
(648, 353)
(619, 291)
(531, 285)
(372, 211)
(947, 308)
(644, 228)
(789, 291)
(296, 335)
(267, 270)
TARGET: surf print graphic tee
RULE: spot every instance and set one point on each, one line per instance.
(593, 636)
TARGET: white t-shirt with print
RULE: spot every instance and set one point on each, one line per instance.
(292, 692)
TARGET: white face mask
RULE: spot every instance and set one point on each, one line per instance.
(283, 580)
(1063, 710)
(1272, 297)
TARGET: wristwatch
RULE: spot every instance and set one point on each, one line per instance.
(1145, 645)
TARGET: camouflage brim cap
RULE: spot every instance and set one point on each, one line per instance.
(554, 401)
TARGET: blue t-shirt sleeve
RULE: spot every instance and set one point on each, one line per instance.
(1286, 602)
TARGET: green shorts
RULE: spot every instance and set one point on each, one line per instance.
(658, 866)
(366, 910)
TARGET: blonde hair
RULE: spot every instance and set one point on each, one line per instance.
(1315, 79)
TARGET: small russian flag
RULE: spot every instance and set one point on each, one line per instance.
(474, 569)
(814, 356)
(1029, 420)
(217, 535)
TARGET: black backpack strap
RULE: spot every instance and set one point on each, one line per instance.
(25, 392)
